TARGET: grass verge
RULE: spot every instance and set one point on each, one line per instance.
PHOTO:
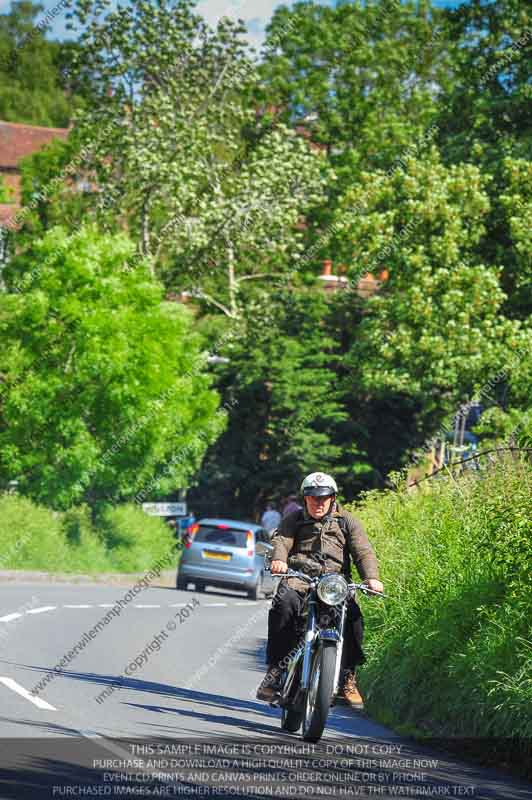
(125, 539)
(449, 655)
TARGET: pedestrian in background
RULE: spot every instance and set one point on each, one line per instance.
(291, 505)
(271, 518)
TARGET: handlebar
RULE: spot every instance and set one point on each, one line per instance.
(293, 573)
(365, 589)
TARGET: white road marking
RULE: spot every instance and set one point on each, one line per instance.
(211, 605)
(9, 617)
(16, 615)
(16, 687)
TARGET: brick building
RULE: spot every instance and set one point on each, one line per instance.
(17, 141)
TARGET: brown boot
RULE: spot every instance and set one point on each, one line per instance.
(270, 685)
(349, 693)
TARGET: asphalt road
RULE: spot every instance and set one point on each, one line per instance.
(180, 667)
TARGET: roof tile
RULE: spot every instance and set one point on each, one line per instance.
(17, 141)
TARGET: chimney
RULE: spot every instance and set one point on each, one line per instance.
(331, 283)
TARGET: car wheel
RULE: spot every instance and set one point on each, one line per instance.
(181, 583)
(199, 586)
(257, 592)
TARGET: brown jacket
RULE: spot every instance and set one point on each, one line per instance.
(299, 537)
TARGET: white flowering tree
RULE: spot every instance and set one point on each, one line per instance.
(435, 331)
(211, 196)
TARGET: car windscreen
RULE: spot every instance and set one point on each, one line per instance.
(230, 537)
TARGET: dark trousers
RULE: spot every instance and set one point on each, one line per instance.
(284, 637)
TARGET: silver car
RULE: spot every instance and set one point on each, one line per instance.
(226, 553)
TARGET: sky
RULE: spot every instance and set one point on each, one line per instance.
(255, 13)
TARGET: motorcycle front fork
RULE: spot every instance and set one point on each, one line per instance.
(339, 649)
(306, 652)
(311, 634)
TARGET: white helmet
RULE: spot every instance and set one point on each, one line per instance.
(318, 484)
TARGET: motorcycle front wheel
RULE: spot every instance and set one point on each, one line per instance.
(291, 719)
(320, 691)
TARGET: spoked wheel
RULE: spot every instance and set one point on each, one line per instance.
(320, 692)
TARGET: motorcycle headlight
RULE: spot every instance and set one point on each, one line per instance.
(332, 590)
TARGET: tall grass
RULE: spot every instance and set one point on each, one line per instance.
(30, 535)
(124, 539)
(450, 653)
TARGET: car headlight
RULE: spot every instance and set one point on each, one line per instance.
(332, 590)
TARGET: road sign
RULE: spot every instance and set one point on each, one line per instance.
(165, 509)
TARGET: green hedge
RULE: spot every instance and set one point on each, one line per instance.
(450, 653)
(31, 537)
(132, 538)
(123, 539)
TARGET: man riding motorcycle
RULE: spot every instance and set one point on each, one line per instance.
(321, 538)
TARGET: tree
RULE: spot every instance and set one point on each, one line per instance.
(383, 425)
(485, 110)
(340, 69)
(6, 193)
(510, 419)
(485, 118)
(516, 203)
(287, 415)
(166, 131)
(32, 86)
(249, 234)
(51, 196)
(434, 332)
(103, 393)
(364, 79)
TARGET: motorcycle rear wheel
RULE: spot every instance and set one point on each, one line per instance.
(320, 692)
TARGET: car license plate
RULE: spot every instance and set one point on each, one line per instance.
(219, 556)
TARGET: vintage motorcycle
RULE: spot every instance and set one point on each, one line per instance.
(309, 680)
